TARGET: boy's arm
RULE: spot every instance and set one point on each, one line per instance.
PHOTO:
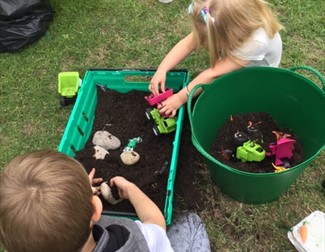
(146, 209)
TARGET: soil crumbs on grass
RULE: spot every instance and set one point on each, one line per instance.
(123, 115)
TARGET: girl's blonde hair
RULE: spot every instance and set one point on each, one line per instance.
(45, 203)
(230, 23)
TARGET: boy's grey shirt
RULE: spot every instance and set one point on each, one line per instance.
(136, 241)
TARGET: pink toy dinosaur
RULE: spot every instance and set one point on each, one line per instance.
(283, 148)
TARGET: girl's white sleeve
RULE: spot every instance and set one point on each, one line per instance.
(260, 50)
(155, 236)
(255, 48)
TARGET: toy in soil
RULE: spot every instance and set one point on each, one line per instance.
(153, 100)
(132, 144)
(254, 132)
(282, 149)
(129, 156)
(278, 168)
(240, 138)
(163, 125)
(250, 151)
(68, 86)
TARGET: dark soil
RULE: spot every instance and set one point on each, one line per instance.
(123, 115)
(265, 124)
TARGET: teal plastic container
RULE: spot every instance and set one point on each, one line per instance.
(293, 100)
(80, 123)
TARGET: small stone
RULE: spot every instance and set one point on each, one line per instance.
(107, 194)
(100, 152)
(106, 140)
(129, 157)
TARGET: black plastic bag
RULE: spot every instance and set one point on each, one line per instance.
(22, 22)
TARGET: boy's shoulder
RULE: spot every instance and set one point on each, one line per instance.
(121, 230)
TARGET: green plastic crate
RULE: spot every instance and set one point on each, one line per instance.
(80, 123)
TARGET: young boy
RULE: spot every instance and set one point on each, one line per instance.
(47, 203)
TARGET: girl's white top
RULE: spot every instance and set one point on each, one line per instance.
(260, 50)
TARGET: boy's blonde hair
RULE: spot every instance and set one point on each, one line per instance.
(45, 203)
(230, 23)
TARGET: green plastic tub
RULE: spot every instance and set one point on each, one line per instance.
(80, 123)
(293, 100)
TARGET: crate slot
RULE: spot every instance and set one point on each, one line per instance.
(80, 131)
(84, 116)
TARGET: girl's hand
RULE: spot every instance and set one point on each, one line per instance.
(92, 180)
(170, 106)
(157, 81)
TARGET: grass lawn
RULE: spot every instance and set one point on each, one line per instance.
(137, 34)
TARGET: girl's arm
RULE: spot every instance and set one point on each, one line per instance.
(173, 103)
(220, 68)
(179, 52)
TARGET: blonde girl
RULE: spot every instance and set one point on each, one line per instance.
(236, 34)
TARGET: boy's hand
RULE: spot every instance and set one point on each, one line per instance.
(92, 180)
(123, 186)
(146, 209)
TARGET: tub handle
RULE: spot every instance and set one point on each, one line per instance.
(189, 112)
(312, 70)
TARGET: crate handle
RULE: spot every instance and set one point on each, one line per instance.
(189, 112)
(137, 78)
(312, 70)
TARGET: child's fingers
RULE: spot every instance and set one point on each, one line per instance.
(155, 90)
(92, 180)
(96, 190)
(154, 87)
(97, 180)
(91, 175)
(162, 87)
